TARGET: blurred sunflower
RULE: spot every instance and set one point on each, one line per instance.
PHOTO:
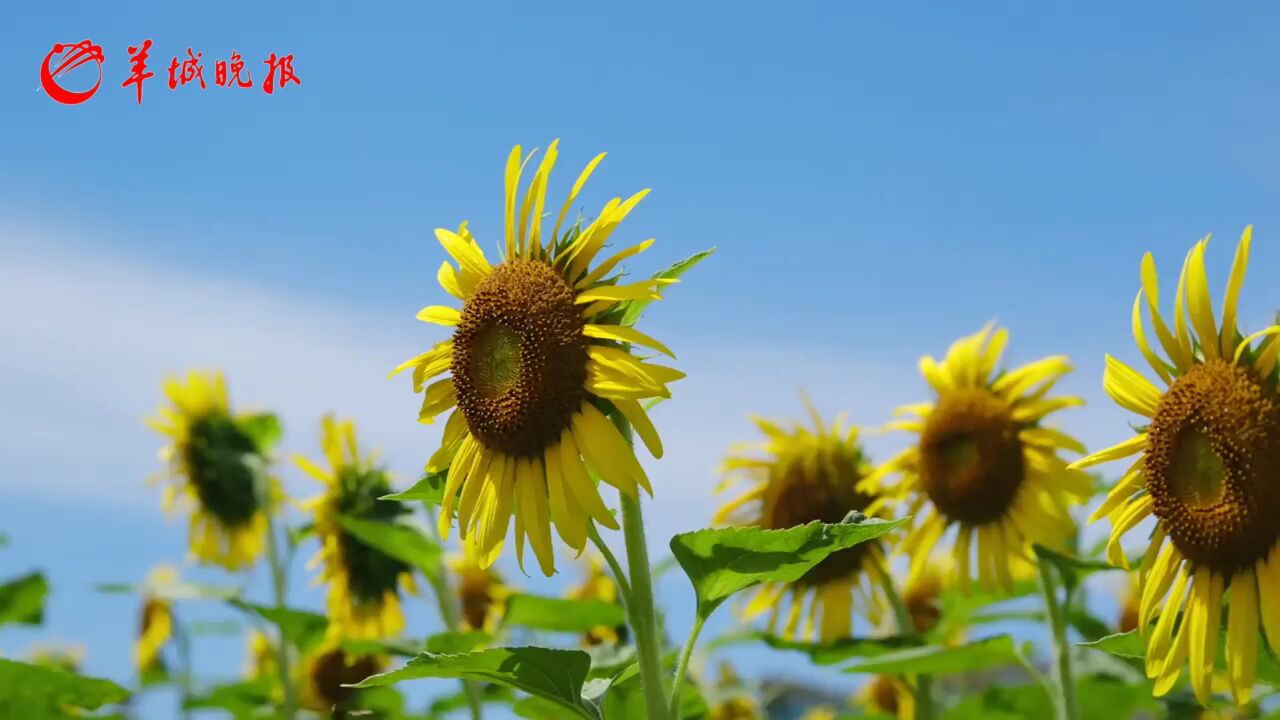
(155, 625)
(481, 592)
(796, 476)
(538, 360)
(597, 585)
(1206, 469)
(260, 656)
(327, 671)
(984, 462)
(364, 583)
(65, 658)
(737, 707)
(820, 712)
(214, 462)
(921, 596)
(1130, 606)
(888, 694)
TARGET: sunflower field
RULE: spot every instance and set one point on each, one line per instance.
(898, 576)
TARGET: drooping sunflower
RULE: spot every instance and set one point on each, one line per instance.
(796, 476)
(985, 463)
(155, 624)
(327, 671)
(889, 695)
(597, 585)
(1205, 468)
(482, 594)
(541, 356)
(364, 582)
(211, 465)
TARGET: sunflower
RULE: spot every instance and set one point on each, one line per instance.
(796, 476)
(984, 463)
(260, 656)
(481, 592)
(890, 695)
(364, 583)
(327, 671)
(737, 707)
(155, 625)
(921, 595)
(539, 360)
(1205, 467)
(597, 585)
(212, 465)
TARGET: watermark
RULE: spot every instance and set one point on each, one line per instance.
(230, 72)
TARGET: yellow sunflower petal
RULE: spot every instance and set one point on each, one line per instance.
(1205, 610)
(440, 315)
(624, 334)
(1200, 307)
(1242, 635)
(1132, 446)
(1232, 299)
(573, 194)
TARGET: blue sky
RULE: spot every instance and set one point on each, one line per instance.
(878, 179)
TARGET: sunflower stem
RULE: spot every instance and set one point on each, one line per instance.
(682, 667)
(450, 614)
(278, 586)
(183, 642)
(923, 686)
(619, 577)
(1065, 697)
(643, 621)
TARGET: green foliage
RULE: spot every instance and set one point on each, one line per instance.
(631, 310)
(1132, 645)
(1072, 570)
(429, 490)
(723, 561)
(939, 660)
(561, 614)
(622, 697)
(264, 428)
(553, 675)
(301, 628)
(402, 542)
(243, 699)
(22, 600)
(36, 691)
(827, 653)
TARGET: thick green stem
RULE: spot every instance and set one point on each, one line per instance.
(450, 614)
(643, 620)
(923, 688)
(619, 577)
(683, 666)
(182, 640)
(279, 588)
(1065, 700)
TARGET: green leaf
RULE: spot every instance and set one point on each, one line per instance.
(938, 660)
(403, 647)
(264, 428)
(30, 691)
(1089, 627)
(241, 699)
(562, 614)
(457, 641)
(443, 707)
(298, 534)
(1073, 570)
(555, 675)
(827, 653)
(723, 561)
(22, 600)
(214, 627)
(429, 490)
(402, 542)
(632, 309)
(303, 629)
(624, 696)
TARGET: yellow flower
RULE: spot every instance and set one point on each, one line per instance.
(738, 707)
(921, 597)
(68, 659)
(597, 585)
(1130, 606)
(481, 592)
(984, 463)
(210, 466)
(327, 670)
(155, 626)
(888, 694)
(260, 658)
(538, 359)
(820, 712)
(796, 476)
(1206, 470)
(364, 583)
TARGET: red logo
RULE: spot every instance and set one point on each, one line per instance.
(75, 56)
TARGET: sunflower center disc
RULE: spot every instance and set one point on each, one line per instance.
(371, 573)
(216, 454)
(824, 491)
(1213, 451)
(971, 460)
(334, 670)
(520, 358)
